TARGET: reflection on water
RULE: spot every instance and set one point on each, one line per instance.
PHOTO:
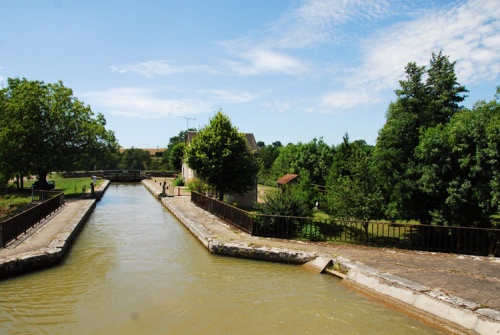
(135, 270)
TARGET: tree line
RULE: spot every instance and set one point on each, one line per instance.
(434, 161)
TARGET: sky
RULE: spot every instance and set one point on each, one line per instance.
(287, 71)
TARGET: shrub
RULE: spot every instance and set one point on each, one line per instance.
(290, 200)
(178, 182)
(197, 185)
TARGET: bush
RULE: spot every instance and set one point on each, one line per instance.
(178, 182)
(197, 185)
(312, 233)
(290, 200)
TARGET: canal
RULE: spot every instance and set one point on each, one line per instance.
(136, 270)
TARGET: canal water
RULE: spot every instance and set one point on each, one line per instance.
(136, 270)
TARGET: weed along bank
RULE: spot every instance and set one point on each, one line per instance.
(401, 277)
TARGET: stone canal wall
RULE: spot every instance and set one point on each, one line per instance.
(47, 244)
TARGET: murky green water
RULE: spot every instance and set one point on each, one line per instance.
(136, 270)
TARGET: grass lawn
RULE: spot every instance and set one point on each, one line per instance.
(70, 186)
(12, 202)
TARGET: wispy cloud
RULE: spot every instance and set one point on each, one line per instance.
(229, 96)
(160, 68)
(468, 33)
(143, 103)
(278, 106)
(271, 50)
(135, 102)
(261, 61)
(320, 21)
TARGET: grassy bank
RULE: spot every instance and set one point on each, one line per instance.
(15, 201)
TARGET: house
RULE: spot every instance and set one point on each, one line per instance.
(246, 200)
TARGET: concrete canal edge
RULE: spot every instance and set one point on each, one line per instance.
(432, 305)
(56, 247)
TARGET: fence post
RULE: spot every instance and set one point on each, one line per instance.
(1, 236)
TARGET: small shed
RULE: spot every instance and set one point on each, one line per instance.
(288, 178)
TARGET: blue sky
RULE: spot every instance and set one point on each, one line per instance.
(286, 71)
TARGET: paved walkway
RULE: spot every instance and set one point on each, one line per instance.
(46, 243)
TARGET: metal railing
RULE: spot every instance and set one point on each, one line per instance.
(11, 228)
(460, 240)
(231, 214)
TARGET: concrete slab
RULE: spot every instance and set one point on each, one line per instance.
(319, 264)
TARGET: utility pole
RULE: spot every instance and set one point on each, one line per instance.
(187, 121)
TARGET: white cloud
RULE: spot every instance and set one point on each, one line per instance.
(143, 103)
(467, 32)
(160, 68)
(135, 102)
(339, 100)
(229, 96)
(260, 61)
(315, 22)
(278, 106)
(318, 21)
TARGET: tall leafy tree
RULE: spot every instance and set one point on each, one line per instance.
(460, 167)
(173, 155)
(220, 155)
(267, 156)
(419, 106)
(393, 156)
(314, 157)
(176, 155)
(44, 128)
(445, 92)
(351, 190)
(269, 153)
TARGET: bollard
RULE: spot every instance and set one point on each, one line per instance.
(178, 191)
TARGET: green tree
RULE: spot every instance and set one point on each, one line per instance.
(460, 169)
(44, 128)
(269, 153)
(220, 155)
(134, 159)
(267, 156)
(419, 106)
(176, 155)
(314, 157)
(171, 157)
(351, 190)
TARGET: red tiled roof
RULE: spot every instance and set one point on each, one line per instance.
(287, 178)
